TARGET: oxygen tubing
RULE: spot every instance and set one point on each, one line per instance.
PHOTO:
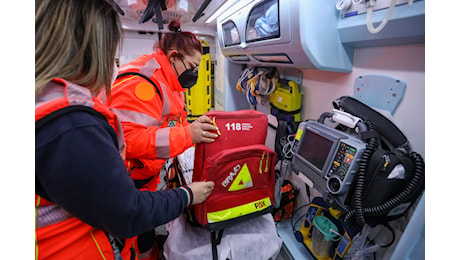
(370, 26)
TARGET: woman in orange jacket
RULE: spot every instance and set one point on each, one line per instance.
(149, 101)
(148, 98)
(86, 206)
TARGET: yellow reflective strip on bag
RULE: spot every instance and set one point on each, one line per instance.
(239, 211)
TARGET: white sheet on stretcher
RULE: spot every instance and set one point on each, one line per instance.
(252, 239)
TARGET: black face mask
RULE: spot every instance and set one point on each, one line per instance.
(188, 78)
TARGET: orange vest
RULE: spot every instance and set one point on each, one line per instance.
(59, 235)
(155, 126)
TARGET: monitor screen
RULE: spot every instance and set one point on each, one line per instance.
(314, 148)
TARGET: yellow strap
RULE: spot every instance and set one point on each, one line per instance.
(239, 211)
(98, 248)
(266, 163)
(123, 81)
(260, 163)
(214, 123)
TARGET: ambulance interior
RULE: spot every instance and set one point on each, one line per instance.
(308, 54)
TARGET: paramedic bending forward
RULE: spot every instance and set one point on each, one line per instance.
(86, 205)
(151, 108)
(149, 101)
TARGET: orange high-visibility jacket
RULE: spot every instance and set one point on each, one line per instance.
(59, 235)
(155, 127)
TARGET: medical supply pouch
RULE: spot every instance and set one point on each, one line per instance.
(241, 166)
(288, 202)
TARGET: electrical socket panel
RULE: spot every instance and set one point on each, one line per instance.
(349, 8)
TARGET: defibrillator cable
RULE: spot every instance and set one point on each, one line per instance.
(358, 211)
(279, 182)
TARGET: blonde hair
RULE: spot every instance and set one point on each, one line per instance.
(76, 40)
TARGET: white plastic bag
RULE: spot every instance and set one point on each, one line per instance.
(252, 239)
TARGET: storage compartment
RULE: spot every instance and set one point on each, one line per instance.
(300, 34)
(406, 24)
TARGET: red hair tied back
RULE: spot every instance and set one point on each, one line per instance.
(185, 42)
(174, 26)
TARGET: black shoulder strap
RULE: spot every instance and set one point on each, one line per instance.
(48, 118)
(144, 77)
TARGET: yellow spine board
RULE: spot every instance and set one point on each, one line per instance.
(198, 97)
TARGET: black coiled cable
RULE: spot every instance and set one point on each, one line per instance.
(358, 210)
(414, 187)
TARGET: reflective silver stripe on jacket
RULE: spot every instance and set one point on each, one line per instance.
(51, 214)
(136, 117)
(148, 69)
(162, 142)
(50, 92)
(76, 95)
(79, 96)
(162, 134)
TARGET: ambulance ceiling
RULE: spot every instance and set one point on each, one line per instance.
(192, 14)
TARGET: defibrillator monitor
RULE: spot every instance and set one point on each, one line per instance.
(326, 156)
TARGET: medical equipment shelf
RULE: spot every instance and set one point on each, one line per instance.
(411, 245)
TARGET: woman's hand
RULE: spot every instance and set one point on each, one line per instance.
(202, 130)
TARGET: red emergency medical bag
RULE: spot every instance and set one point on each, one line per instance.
(241, 166)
